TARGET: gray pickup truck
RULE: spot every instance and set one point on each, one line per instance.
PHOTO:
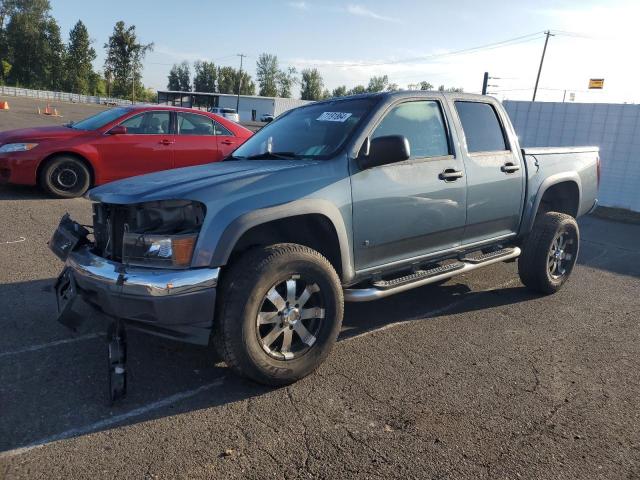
(350, 199)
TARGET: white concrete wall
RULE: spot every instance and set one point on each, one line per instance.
(615, 128)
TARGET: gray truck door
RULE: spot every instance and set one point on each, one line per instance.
(407, 209)
(494, 172)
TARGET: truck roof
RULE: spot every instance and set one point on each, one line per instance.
(408, 94)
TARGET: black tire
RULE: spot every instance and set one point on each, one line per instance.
(543, 266)
(65, 177)
(239, 339)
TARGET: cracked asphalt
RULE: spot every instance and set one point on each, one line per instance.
(477, 378)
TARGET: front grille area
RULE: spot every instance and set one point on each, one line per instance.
(108, 228)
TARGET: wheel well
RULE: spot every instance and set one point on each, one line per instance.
(563, 197)
(86, 162)
(312, 230)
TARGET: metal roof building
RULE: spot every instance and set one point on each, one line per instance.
(251, 107)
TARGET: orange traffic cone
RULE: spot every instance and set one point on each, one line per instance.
(4, 105)
(47, 110)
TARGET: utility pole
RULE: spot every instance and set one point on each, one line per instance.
(544, 50)
(241, 55)
(485, 82)
(133, 84)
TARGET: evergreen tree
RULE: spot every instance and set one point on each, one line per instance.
(311, 85)
(123, 66)
(80, 77)
(32, 44)
(267, 72)
(180, 78)
(340, 91)
(286, 80)
(227, 79)
(204, 77)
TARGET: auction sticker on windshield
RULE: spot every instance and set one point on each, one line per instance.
(334, 117)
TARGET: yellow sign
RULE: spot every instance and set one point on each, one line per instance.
(596, 83)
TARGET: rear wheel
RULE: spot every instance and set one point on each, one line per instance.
(65, 177)
(280, 313)
(550, 253)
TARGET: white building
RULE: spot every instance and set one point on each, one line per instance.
(250, 107)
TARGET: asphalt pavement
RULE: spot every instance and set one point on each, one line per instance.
(477, 378)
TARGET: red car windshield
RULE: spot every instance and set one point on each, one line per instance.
(101, 119)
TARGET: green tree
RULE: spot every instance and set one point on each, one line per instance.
(204, 77)
(442, 88)
(267, 72)
(180, 78)
(378, 84)
(32, 44)
(311, 85)
(286, 81)
(357, 90)
(80, 55)
(227, 79)
(123, 65)
(97, 84)
(247, 85)
(340, 91)
(425, 86)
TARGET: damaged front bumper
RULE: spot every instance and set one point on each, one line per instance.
(177, 304)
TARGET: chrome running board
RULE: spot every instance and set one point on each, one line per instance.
(425, 277)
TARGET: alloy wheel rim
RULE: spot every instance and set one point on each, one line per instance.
(290, 318)
(561, 255)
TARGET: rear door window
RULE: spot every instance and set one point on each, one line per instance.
(421, 122)
(481, 127)
(194, 124)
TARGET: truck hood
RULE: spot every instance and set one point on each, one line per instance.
(203, 182)
(39, 133)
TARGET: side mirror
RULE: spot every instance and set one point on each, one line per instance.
(118, 130)
(385, 150)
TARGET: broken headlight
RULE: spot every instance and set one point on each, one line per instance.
(162, 251)
(161, 234)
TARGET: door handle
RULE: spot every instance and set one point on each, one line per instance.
(165, 141)
(509, 168)
(227, 142)
(450, 175)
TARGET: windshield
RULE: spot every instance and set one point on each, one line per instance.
(314, 131)
(101, 119)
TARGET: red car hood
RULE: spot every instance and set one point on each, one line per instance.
(39, 133)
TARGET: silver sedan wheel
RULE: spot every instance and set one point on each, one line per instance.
(290, 318)
(560, 255)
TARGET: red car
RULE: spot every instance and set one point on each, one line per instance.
(114, 144)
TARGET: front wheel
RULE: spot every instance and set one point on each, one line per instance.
(550, 253)
(65, 177)
(279, 314)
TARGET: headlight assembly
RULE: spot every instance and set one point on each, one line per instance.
(17, 147)
(160, 251)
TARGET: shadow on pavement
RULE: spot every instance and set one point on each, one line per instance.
(60, 390)
(23, 192)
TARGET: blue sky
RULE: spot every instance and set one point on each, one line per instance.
(407, 40)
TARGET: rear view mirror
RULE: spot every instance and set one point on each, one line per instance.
(118, 130)
(385, 150)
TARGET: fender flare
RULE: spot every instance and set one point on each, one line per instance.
(238, 227)
(549, 182)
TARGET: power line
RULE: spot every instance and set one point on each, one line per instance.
(488, 46)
